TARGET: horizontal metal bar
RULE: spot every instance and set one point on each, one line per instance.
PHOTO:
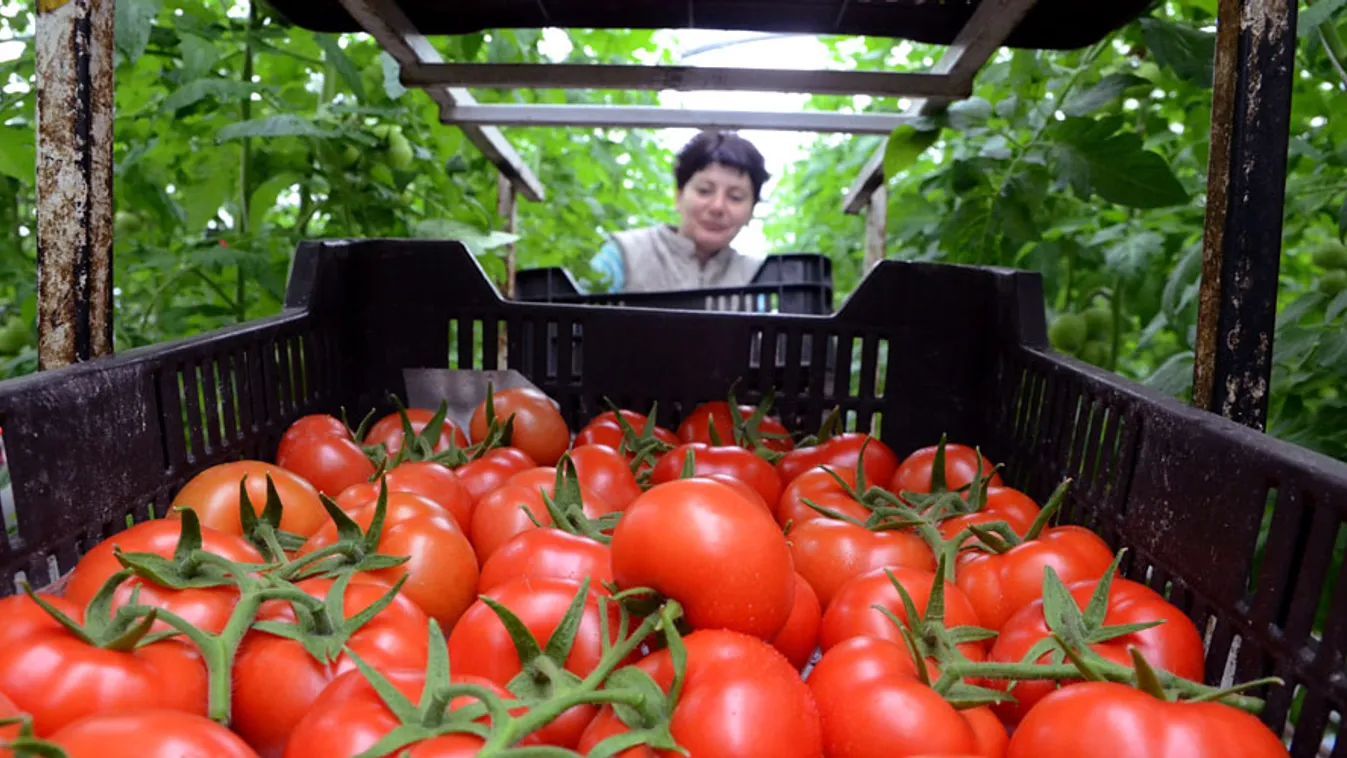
(683, 79)
(977, 42)
(386, 22)
(594, 116)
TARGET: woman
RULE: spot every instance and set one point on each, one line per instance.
(719, 177)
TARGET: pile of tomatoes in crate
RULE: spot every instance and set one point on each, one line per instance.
(722, 590)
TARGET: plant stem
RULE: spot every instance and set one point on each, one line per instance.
(245, 161)
(1115, 302)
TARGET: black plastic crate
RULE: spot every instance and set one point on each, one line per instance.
(920, 349)
(784, 283)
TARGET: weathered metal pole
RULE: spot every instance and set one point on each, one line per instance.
(1246, 188)
(876, 227)
(507, 204)
(74, 180)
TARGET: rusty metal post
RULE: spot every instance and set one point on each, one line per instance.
(876, 227)
(74, 180)
(1246, 188)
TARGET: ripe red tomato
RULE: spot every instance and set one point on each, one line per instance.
(740, 698)
(59, 678)
(398, 507)
(547, 553)
(481, 646)
(604, 429)
(798, 639)
(388, 430)
(430, 480)
(842, 451)
(8, 710)
(1174, 646)
(214, 495)
(501, 515)
(1015, 508)
(490, 472)
(349, 717)
(1000, 585)
(828, 553)
(821, 488)
(539, 429)
(276, 680)
(320, 450)
(1108, 720)
(737, 462)
(873, 706)
(149, 734)
(961, 463)
(852, 612)
(205, 607)
(715, 552)
(697, 426)
(606, 473)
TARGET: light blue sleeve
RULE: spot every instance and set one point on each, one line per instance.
(608, 262)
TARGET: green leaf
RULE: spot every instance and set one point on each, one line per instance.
(1342, 221)
(392, 70)
(1322, 11)
(1174, 376)
(18, 158)
(970, 113)
(198, 55)
(263, 199)
(339, 60)
(477, 240)
(223, 90)
(1102, 93)
(1188, 52)
(905, 146)
(1117, 167)
(281, 125)
(134, 20)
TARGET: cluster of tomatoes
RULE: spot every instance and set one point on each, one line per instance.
(720, 590)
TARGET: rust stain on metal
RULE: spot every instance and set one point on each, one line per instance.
(1218, 202)
(74, 182)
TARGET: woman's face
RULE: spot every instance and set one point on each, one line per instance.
(715, 204)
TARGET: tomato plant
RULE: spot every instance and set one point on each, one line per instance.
(214, 495)
(732, 461)
(288, 659)
(739, 697)
(1108, 720)
(319, 449)
(704, 545)
(538, 428)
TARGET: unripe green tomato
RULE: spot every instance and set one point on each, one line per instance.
(380, 173)
(399, 152)
(1332, 256)
(1068, 332)
(1332, 282)
(349, 156)
(1095, 352)
(13, 336)
(381, 130)
(1100, 321)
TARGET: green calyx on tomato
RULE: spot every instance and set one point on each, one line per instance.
(748, 432)
(567, 509)
(546, 688)
(264, 530)
(122, 630)
(323, 627)
(185, 569)
(421, 446)
(355, 550)
(26, 743)
(997, 537)
(643, 448)
(1071, 658)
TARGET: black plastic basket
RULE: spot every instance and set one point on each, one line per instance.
(784, 283)
(1238, 529)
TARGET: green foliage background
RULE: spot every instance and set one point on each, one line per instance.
(238, 136)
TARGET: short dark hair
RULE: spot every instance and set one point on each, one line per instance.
(726, 148)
